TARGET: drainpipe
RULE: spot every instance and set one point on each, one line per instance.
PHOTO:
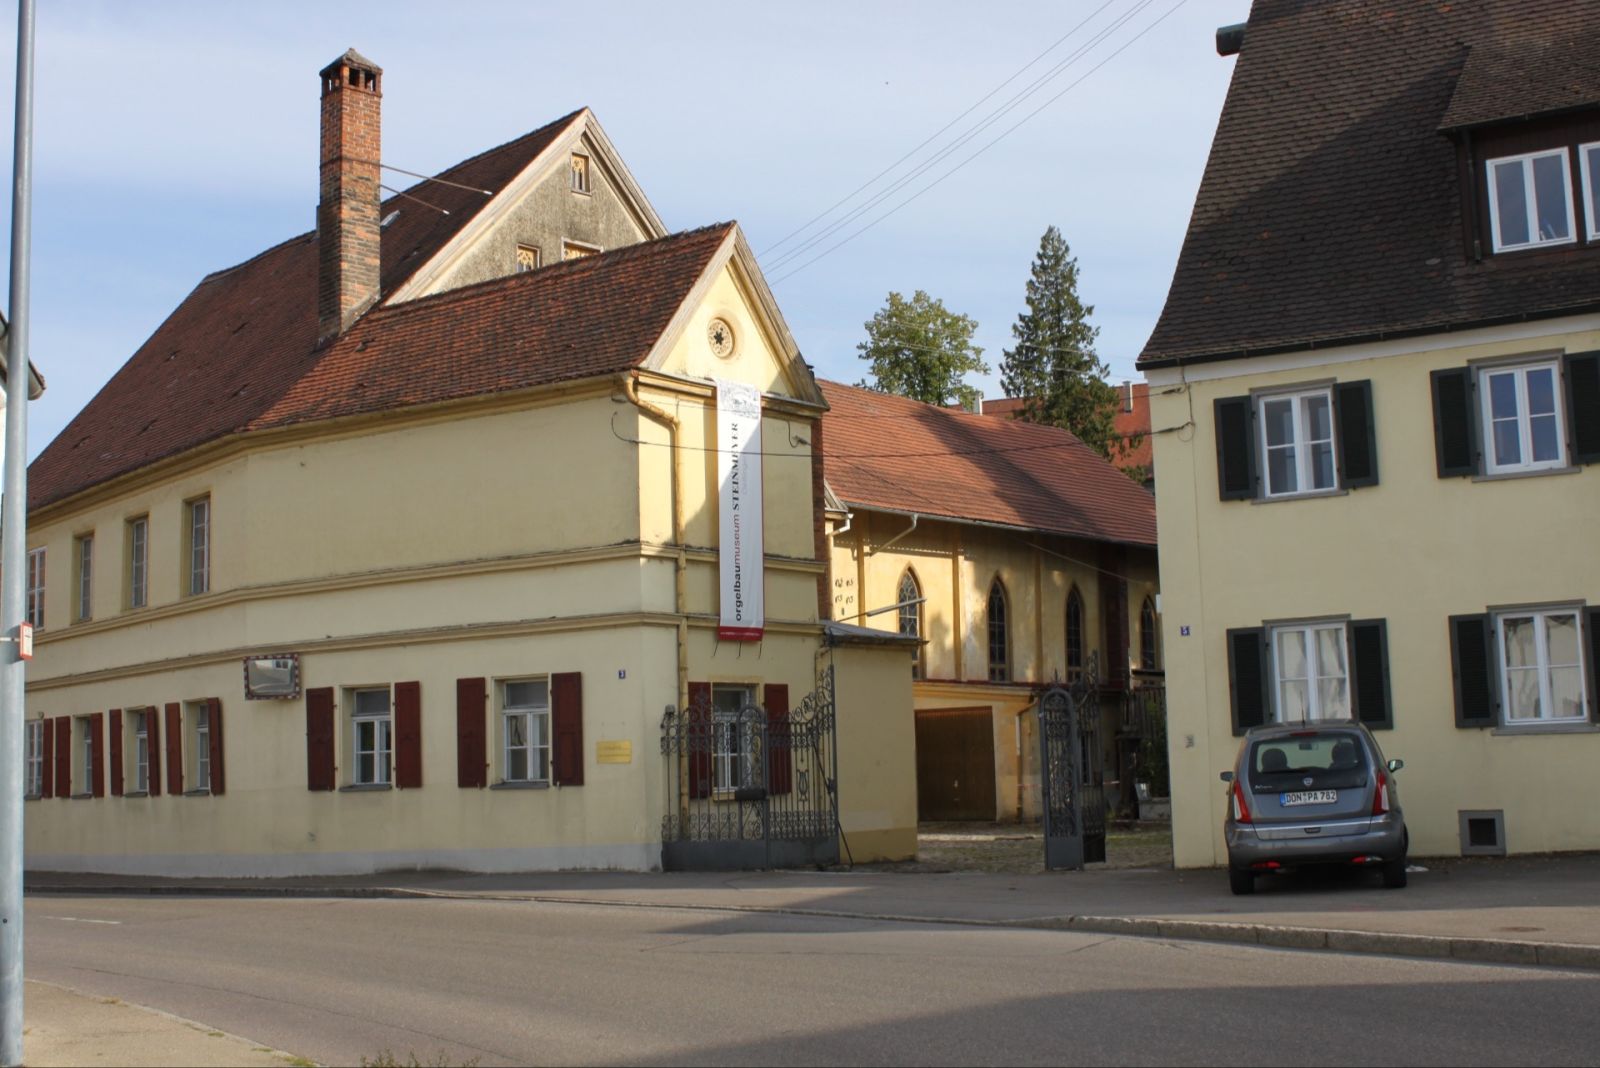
(876, 549)
(630, 390)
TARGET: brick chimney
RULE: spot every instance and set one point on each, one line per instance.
(347, 214)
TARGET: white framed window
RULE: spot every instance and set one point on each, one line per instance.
(1530, 200)
(84, 772)
(84, 551)
(580, 173)
(525, 730)
(1541, 666)
(371, 736)
(1310, 672)
(33, 749)
(198, 718)
(199, 511)
(1589, 164)
(35, 605)
(1296, 442)
(1521, 417)
(734, 738)
(140, 727)
(138, 562)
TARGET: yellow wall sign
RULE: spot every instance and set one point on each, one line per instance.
(614, 752)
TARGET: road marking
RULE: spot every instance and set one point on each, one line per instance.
(80, 919)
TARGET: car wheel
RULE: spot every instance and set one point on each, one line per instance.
(1394, 871)
(1241, 881)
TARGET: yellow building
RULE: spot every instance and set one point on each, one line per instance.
(1375, 398)
(400, 544)
(1018, 557)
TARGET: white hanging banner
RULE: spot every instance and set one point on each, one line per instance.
(739, 482)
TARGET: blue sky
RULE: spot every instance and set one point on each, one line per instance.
(174, 139)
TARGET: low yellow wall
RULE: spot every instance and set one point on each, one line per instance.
(877, 739)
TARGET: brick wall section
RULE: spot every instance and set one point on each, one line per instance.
(347, 213)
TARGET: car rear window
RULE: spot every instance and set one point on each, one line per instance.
(1320, 760)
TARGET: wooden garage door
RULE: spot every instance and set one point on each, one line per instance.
(955, 764)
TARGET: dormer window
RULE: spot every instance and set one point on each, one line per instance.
(1530, 200)
(1589, 158)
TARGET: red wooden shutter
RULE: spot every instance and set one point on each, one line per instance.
(320, 770)
(700, 739)
(780, 771)
(175, 749)
(116, 752)
(566, 714)
(408, 735)
(152, 724)
(48, 771)
(63, 756)
(97, 757)
(472, 765)
(219, 776)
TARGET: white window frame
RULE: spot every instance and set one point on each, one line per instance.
(85, 770)
(1308, 631)
(731, 749)
(382, 748)
(199, 511)
(1532, 205)
(139, 561)
(1301, 445)
(33, 747)
(1541, 617)
(35, 606)
(197, 728)
(1591, 214)
(83, 545)
(537, 755)
(140, 729)
(1524, 418)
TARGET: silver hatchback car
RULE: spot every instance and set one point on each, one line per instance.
(1313, 793)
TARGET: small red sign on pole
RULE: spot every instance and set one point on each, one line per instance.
(25, 641)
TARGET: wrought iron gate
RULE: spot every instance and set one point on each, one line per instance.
(1072, 773)
(753, 787)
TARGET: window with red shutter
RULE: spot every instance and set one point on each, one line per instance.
(116, 752)
(472, 703)
(320, 769)
(701, 740)
(408, 735)
(566, 714)
(175, 749)
(152, 723)
(214, 722)
(780, 769)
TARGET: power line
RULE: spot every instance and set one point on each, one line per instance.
(989, 120)
(933, 136)
(1012, 129)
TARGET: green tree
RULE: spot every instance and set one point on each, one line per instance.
(1053, 367)
(920, 349)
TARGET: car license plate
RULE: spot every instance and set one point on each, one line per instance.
(1308, 797)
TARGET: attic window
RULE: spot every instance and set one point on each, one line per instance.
(1589, 157)
(527, 258)
(576, 250)
(580, 173)
(1530, 200)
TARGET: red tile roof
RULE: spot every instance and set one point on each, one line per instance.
(1127, 422)
(882, 451)
(246, 335)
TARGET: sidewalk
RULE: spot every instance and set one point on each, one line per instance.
(64, 1027)
(1522, 910)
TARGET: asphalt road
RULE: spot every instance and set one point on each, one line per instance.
(525, 983)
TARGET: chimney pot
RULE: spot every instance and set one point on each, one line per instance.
(347, 212)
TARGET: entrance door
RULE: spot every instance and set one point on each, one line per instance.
(955, 764)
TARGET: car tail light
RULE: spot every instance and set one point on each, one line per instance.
(1380, 796)
(1241, 807)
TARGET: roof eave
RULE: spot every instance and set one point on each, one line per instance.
(1014, 528)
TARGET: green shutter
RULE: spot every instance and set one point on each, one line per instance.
(1591, 618)
(1358, 442)
(1236, 448)
(1582, 372)
(1455, 436)
(1249, 678)
(1472, 662)
(1369, 665)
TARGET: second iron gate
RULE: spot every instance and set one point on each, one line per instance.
(1072, 775)
(750, 787)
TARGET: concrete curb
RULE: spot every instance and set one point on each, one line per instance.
(1275, 936)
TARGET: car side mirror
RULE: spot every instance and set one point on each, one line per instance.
(1396, 765)
(1227, 776)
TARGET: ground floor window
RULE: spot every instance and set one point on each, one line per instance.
(735, 737)
(197, 718)
(1310, 672)
(33, 746)
(140, 726)
(371, 736)
(1541, 666)
(85, 768)
(525, 719)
